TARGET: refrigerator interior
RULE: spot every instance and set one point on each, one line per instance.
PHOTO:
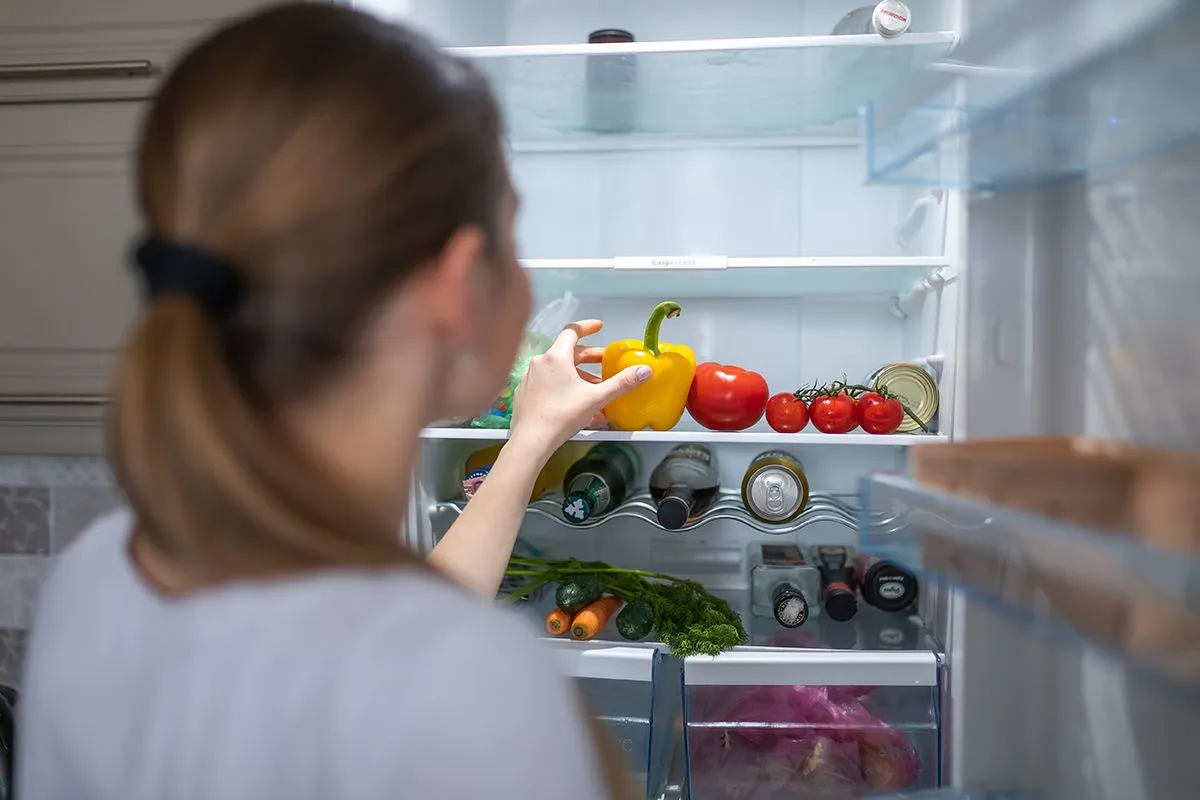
(1047, 151)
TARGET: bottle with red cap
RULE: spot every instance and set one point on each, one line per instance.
(837, 581)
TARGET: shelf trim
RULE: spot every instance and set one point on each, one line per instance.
(932, 263)
(858, 41)
(603, 660)
(710, 437)
(779, 667)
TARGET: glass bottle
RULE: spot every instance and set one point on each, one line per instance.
(599, 482)
(783, 584)
(684, 484)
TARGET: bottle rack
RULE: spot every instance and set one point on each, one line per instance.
(821, 507)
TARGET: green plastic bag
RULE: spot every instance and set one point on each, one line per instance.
(540, 334)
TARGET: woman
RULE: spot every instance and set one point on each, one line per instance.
(330, 266)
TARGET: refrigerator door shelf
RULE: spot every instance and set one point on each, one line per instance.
(685, 276)
(773, 86)
(1042, 92)
(821, 508)
(1104, 592)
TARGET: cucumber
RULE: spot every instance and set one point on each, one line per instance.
(576, 594)
(636, 620)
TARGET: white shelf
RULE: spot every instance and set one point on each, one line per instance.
(769, 666)
(788, 85)
(710, 437)
(750, 666)
(721, 276)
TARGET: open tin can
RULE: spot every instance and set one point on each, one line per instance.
(915, 387)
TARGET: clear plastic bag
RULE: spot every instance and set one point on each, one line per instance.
(540, 334)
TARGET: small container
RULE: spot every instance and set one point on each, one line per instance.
(611, 83)
(885, 584)
(915, 387)
(775, 487)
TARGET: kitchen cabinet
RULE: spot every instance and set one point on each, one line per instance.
(74, 80)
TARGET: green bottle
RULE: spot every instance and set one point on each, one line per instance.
(599, 482)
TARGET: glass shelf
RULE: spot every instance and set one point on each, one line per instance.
(821, 508)
(717, 276)
(1047, 92)
(1106, 592)
(793, 85)
(696, 434)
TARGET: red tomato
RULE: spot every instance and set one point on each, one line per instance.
(879, 414)
(787, 413)
(834, 413)
(724, 398)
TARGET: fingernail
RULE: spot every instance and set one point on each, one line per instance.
(643, 373)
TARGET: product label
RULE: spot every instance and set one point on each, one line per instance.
(891, 638)
(670, 262)
(833, 557)
(473, 480)
(782, 555)
(693, 452)
(890, 589)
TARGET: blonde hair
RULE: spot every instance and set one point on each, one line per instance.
(322, 156)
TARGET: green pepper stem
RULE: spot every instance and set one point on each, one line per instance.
(664, 310)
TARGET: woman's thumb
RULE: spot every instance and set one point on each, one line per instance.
(625, 380)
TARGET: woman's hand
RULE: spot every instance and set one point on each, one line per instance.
(555, 400)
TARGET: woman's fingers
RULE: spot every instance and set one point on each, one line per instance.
(588, 376)
(588, 355)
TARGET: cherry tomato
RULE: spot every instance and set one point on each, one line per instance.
(879, 414)
(834, 413)
(787, 413)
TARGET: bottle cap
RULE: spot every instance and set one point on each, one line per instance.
(889, 587)
(577, 507)
(891, 18)
(675, 507)
(840, 603)
(791, 609)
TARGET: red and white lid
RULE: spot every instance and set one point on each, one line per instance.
(891, 18)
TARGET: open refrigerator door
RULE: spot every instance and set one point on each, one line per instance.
(1068, 562)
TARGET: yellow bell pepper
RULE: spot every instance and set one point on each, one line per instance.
(659, 402)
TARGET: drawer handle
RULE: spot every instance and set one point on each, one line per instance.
(53, 400)
(76, 69)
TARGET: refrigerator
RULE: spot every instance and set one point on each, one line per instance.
(1004, 196)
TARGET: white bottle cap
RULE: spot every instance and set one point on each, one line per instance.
(891, 18)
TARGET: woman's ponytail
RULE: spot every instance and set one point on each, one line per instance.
(216, 482)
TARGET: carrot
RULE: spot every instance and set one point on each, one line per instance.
(557, 622)
(591, 620)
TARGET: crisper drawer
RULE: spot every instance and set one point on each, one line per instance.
(812, 724)
(636, 692)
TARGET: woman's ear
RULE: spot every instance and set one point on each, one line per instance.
(449, 289)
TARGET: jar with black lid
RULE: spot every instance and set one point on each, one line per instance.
(611, 85)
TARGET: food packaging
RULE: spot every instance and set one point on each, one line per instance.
(540, 334)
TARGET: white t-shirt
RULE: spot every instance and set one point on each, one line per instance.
(339, 687)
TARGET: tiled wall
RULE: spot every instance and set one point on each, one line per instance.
(44, 504)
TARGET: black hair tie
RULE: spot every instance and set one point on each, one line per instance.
(173, 268)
